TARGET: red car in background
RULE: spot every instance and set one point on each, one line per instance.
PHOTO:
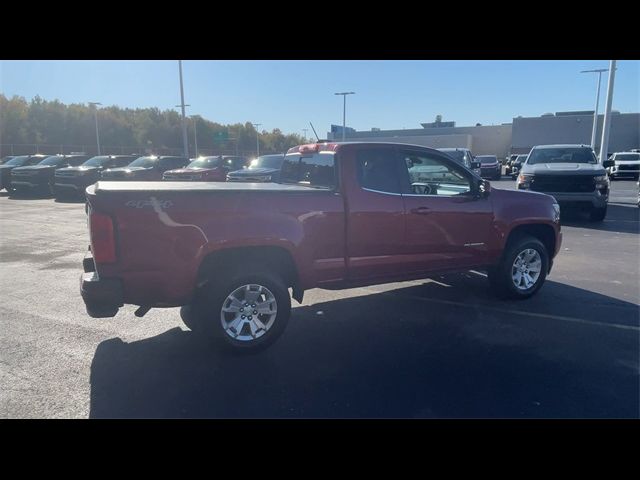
(207, 169)
(147, 168)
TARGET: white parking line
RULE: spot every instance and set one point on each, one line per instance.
(513, 312)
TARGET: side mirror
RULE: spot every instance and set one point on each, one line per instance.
(608, 163)
(475, 164)
(484, 188)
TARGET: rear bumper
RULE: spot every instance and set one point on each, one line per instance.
(102, 297)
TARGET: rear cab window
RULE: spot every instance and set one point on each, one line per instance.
(377, 170)
(316, 170)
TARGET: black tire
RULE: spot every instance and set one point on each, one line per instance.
(500, 277)
(597, 214)
(204, 315)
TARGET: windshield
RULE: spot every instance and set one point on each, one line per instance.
(267, 161)
(95, 161)
(628, 156)
(145, 162)
(486, 159)
(17, 161)
(561, 155)
(52, 161)
(457, 155)
(205, 162)
(521, 158)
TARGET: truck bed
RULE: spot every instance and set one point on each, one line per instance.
(164, 230)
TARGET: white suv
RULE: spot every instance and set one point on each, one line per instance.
(626, 164)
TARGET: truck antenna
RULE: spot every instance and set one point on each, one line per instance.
(314, 131)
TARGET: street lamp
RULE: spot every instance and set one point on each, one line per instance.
(344, 111)
(256, 125)
(595, 112)
(604, 143)
(95, 113)
(184, 121)
(183, 106)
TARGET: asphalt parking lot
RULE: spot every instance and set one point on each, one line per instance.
(438, 348)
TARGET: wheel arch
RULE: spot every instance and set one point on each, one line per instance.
(541, 231)
(273, 258)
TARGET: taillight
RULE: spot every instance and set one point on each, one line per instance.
(103, 244)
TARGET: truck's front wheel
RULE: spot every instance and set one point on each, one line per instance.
(523, 269)
(246, 313)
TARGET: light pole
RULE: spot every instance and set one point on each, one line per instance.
(184, 121)
(256, 125)
(595, 112)
(195, 133)
(95, 113)
(305, 130)
(604, 144)
(344, 111)
(184, 106)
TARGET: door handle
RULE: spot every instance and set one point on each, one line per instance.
(421, 210)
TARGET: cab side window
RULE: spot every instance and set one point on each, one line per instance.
(431, 175)
(378, 170)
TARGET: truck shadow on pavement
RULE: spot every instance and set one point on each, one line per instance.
(424, 351)
(620, 218)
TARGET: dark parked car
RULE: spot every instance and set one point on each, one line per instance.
(206, 169)
(19, 161)
(145, 168)
(463, 156)
(41, 177)
(569, 173)
(265, 168)
(516, 165)
(489, 166)
(508, 165)
(74, 180)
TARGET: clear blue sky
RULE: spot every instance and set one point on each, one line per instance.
(289, 94)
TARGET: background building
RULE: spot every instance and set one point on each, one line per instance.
(516, 137)
(575, 127)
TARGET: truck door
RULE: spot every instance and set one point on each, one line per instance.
(375, 212)
(446, 224)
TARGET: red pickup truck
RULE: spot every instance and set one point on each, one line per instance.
(342, 215)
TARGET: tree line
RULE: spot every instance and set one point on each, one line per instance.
(41, 121)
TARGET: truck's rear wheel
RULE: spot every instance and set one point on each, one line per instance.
(246, 313)
(523, 269)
